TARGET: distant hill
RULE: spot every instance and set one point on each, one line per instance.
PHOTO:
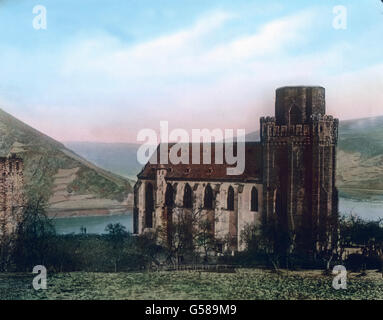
(120, 158)
(253, 136)
(70, 184)
(360, 158)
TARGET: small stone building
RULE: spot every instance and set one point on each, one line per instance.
(288, 175)
(11, 193)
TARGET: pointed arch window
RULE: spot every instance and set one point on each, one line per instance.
(208, 198)
(149, 205)
(230, 199)
(169, 195)
(254, 199)
(188, 197)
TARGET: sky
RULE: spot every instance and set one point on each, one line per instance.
(104, 70)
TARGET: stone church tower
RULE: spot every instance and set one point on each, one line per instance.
(299, 163)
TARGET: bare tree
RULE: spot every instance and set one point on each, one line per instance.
(33, 236)
(188, 234)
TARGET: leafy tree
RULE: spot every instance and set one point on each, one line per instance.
(33, 240)
(356, 232)
(147, 251)
(116, 236)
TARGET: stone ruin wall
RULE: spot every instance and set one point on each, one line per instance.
(11, 193)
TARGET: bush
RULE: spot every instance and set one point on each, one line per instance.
(356, 262)
(85, 252)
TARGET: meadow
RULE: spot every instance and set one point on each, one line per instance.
(244, 284)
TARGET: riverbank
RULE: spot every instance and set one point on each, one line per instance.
(88, 214)
(369, 210)
(92, 224)
(63, 206)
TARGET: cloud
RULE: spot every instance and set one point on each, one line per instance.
(113, 58)
(107, 89)
(270, 39)
(183, 53)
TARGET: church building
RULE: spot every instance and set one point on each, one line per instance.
(289, 176)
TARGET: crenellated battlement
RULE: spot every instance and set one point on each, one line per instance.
(267, 119)
(319, 117)
(319, 125)
(270, 129)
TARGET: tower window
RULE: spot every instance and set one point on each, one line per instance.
(149, 206)
(208, 198)
(254, 199)
(230, 198)
(169, 195)
(295, 115)
(188, 203)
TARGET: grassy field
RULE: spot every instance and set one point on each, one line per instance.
(244, 284)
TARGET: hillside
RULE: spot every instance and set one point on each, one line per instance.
(69, 184)
(120, 158)
(360, 158)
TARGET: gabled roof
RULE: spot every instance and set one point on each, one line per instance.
(208, 172)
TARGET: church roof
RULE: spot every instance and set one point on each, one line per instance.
(208, 172)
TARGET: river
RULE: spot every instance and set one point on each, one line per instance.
(364, 209)
(95, 224)
(368, 210)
